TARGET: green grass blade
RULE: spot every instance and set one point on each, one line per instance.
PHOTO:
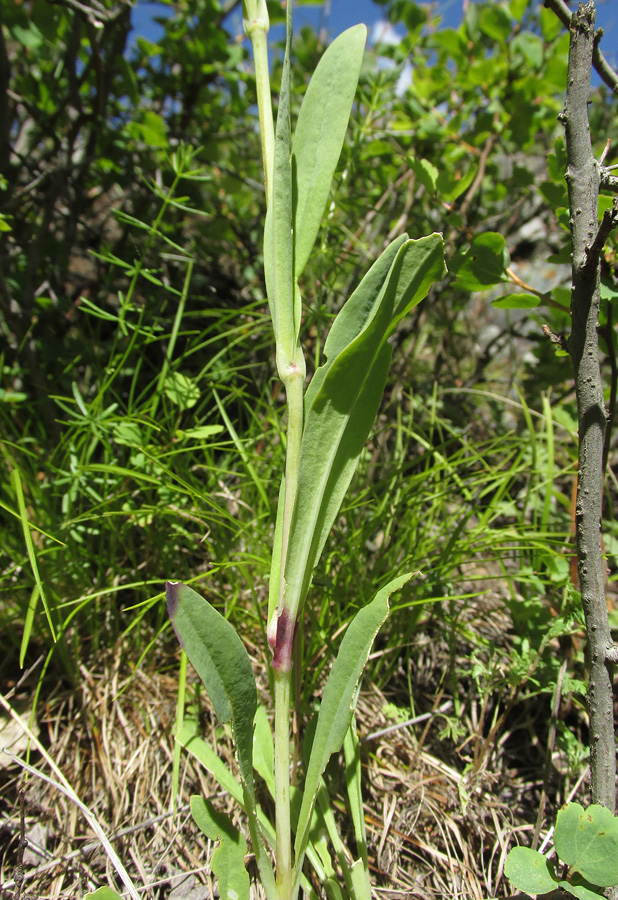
(180, 712)
(25, 525)
(241, 450)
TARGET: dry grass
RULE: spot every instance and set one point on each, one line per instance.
(441, 813)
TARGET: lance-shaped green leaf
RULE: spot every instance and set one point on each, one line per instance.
(342, 409)
(283, 297)
(217, 654)
(355, 314)
(228, 859)
(338, 702)
(220, 659)
(319, 135)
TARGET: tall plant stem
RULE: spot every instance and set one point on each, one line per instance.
(294, 387)
(583, 185)
(256, 28)
(283, 675)
(283, 850)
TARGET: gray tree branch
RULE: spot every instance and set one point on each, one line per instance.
(583, 178)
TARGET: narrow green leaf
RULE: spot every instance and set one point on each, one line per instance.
(278, 243)
(319, 135)
(190, 738)
(119, 472)
(530, 871)
(228, 860)
(360, 869)
(356, 314)
(39, 590)
(220, 659)
(338, 701)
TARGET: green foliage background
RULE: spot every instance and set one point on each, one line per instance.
(141, 434)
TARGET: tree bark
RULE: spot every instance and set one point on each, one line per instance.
(583, 179)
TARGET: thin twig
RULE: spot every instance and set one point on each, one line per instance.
(599, 61)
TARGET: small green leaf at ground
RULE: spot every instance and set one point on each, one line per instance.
(587, 840)
(181, 390)
(128, 433)
(228, 860)
(103, 893)
(200, 432)
(529, 871)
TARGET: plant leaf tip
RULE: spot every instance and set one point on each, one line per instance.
(171, 597)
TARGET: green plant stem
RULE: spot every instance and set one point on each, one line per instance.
(265, 110)
(294, 386)
(294, 389)
(283, 850)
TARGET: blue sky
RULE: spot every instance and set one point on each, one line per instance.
(337, 15)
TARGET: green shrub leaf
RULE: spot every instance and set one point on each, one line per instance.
(517, 301)
(587, 840)
(530, 871)
(483, 264)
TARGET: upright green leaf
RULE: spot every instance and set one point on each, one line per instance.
(338, 702)
(343, 407)
(319, 135)
(190, 738)
(278, 245)
(355, 314)
(217, 654)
